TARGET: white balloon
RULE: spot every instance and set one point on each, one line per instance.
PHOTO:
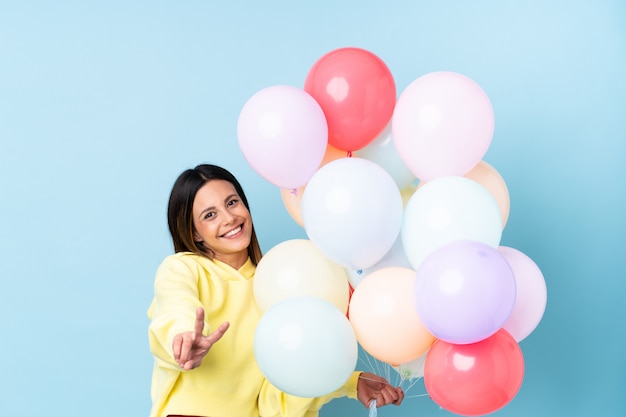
(413, 369)
(352, 212)
(382, 151)
(395, 257)
(448, 209)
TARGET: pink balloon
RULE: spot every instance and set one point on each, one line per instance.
(442, 125)
(531, 298)
(283, 134)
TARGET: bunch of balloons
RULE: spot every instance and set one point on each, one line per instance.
(402, 212)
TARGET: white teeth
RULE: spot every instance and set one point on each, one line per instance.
(233, 232)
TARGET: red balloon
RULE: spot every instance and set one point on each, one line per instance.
(477, 378)
(357, 93)
(350, 292)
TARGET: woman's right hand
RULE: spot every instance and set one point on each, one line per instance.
(373, 387)
(191, 347)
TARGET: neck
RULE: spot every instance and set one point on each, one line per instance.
(235, 261)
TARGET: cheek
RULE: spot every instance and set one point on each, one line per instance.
(203, 232)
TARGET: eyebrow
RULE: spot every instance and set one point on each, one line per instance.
(213, 207)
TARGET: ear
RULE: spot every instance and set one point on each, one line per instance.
(196, 237)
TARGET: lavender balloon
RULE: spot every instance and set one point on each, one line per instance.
(464, 291)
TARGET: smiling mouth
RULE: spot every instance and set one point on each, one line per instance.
(232, 232)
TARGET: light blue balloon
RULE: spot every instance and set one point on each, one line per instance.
(305, 346)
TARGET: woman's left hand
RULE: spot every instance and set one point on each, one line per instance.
(373, 387)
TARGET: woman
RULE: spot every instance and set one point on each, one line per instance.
(203, 315)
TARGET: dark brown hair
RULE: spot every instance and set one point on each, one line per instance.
(180, 215)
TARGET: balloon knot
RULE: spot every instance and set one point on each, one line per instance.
(349, 154)
(294, 192)
(359, 271)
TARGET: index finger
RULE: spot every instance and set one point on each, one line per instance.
(199, 325)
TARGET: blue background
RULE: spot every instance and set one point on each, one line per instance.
(103, 103)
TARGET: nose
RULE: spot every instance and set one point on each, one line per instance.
(228, 217)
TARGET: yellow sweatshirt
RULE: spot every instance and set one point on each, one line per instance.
(229, 382)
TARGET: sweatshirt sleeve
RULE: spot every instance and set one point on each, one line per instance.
(275, 403)
(173, 309)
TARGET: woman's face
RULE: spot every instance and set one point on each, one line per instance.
(222, 222)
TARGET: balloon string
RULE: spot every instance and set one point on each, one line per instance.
(373, 411)
(369, 379)
(416, 396)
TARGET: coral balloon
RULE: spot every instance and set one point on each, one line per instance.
(487, 176)
(474, 379)
(296, 267)
(442, 125)
(292, 200)
(464, 291)
(357, 92)
(282, 133)
(384, 318)
(532, 295)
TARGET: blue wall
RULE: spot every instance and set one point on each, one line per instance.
(103, 103)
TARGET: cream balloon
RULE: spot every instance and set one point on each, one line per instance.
(297, 268)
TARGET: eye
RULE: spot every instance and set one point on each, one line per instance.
(232, 202)
(209, 215)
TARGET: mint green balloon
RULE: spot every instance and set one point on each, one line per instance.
(305, 346)
(447, 209)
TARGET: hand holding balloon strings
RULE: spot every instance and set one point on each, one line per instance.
(406, 374)
(372, 388)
